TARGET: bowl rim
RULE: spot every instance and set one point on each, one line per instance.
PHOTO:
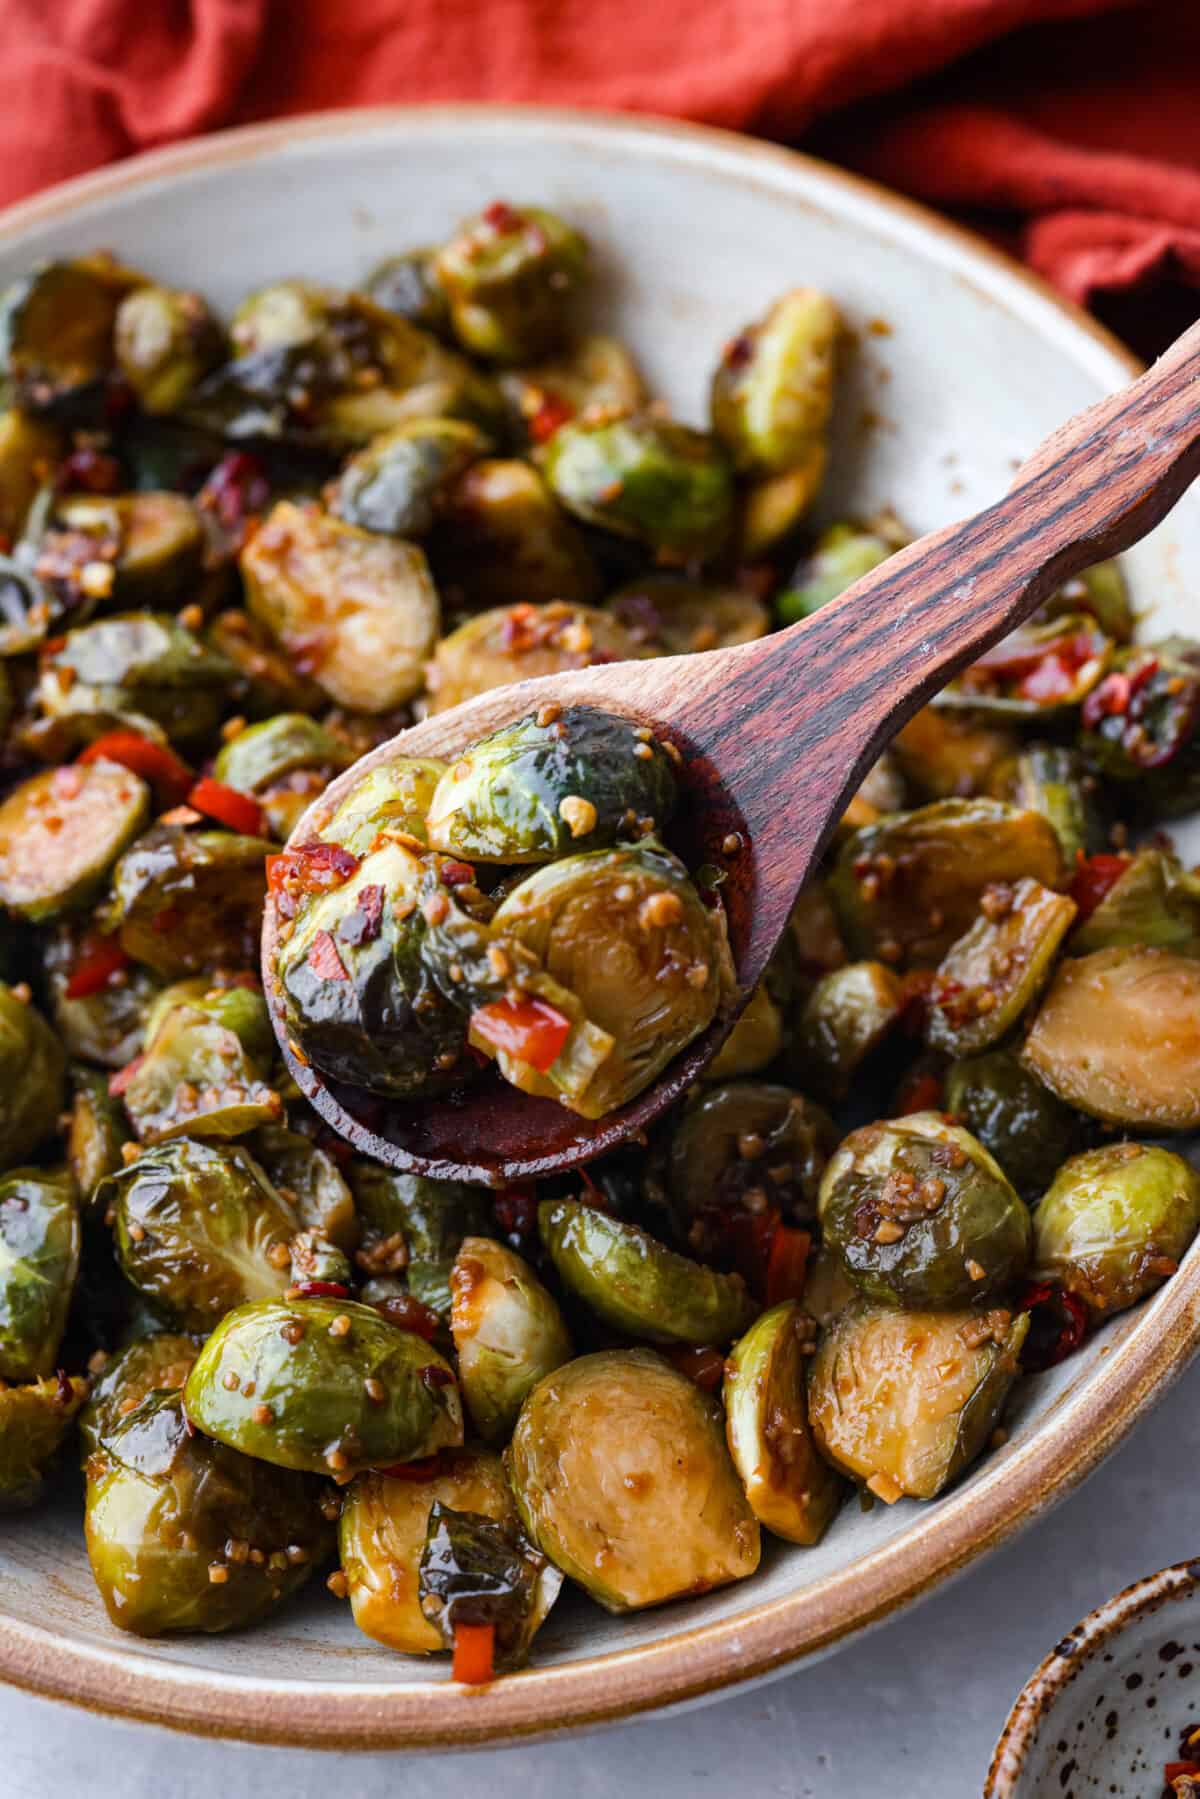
(1035, 1702)
(693, 1663)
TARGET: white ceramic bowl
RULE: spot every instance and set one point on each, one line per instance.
(964, 362)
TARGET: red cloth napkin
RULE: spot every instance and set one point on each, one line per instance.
(1072, 125)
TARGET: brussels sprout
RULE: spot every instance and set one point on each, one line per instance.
(757, 1038)
(637, 1285)
(416, 1225)
(922, 1215)
(531, 790)
(401, 482)
(840, 556)
(988, 979)
(846, 1017)
(56, 333)
(743, 1146)
(185, 1534)
(97, 1132)
(1153, 903)
(196, 1077)
(258, 758)
(137, 665)
(154, 1364)
(502, 540)
(183, 901)
(165, 340)
(950, 755)
(357, 993)
(106, 1026)
(382, 1535)
(1116, 1223)
(394, 797)
(508, 275)
(621, 1475)
(475, 1570)
(29, 450)
(904, 1401)
(33, 1422)
(322, 1384)
(678, 616)
(310, 1181)
(626, 933)
(136, 549)
(773, 391)
(594, 376)
(32, 1067)
(264, 680)
(408, 285)
(235, 1003)
(39, 1259)
(520, 642)
(361, 609)
(1118, 1036)
(1038, 669)
(1142, 724)
(1051, 779)
(1102, 592)
(790, 1489)
(645, 477)
(508, 1333)
(61, 832)
(908, 887)
(198, 1230)
(1009, 1111)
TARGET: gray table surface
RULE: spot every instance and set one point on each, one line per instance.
(920, 1700)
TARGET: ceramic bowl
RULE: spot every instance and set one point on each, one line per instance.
(963, 363)
(1111, 1703)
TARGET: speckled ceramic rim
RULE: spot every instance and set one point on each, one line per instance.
(1016, 1485)
(1046, 1686)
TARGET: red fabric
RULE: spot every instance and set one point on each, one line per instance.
(1073, 124)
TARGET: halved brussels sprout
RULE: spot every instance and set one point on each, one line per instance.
(503, 540)
(625, 932)
(1116, 1223)
(518, 643)
(134, 666)
(1051, 779)
(56, 333)
(790, 1489)
(757, 1038)
(745, 1146)
(165, 340)
(508, 1333)
(262, 755)
(475, 1570)
(1101, 591)
(105, 1026)
(661, 483)
(32, 1069)
(401, 482)
(135, 549)
(509, 275)
(908, 887)
(199, 1230)
(922, 1215)
(395, 797)
(39, 1259)
(61, 832)
(904, 1401)
(264, 679)
(531, 791)
(185, 1534)
(325, 1385)
(622, 1477)
(197, 1077)
(358, 610)
(29, 450)
(1037, 670)
(309, 1180)
(773, 391)
(235, 1003)
(34, 1419)
(845, 1018)
(1153, 903)
(1018, 1120)
(635, 1284)
(679, 616)
(950, 755)
(183, 901)
(154, 1364)
(96, 1134)
(839, 557)
(382, 1534)
(988, 979)
(408, 285)
(592, 376)
(416, 1226)
(1118, 1036)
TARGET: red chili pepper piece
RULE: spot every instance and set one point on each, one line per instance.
(312, 867)
(529, 1029)
(787, 1264)
(474, 1654)
(408, 1313)
(1057, 1326)
(324, 960)
(169, 776)
(704, 1366)
(239, 811)
(748, 1240)
(99, 959)
(118, 1082)
(236, 491)
(1095, 877)
(552, 413)
(501, 216)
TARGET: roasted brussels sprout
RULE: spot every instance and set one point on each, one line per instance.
(134, 549)
(950, 755)
(845, 1018)
(407, 285)
(741, 1146)
(1037, 670)
(34, 1419)
(308, 1179)
(61, 832)
(1019, 1121)
(360, 609)
(199, 1230)
(154, 1364)
(904, 1401)
(648, 478)
(757, 1038)
(635, 1284)
(186, 1534)
(477, 1571)
(259, 758)
(1118, 1036)
(679, 616)
(165, 340)
(622, 1477)
(518, 643)
(32, 1069)
(1115, 1224)
(988, 979)
(773, 391)
(200, 1075)
(417, 1226)
(593, 376)
(325, 1385)
(401, 482)
(1051, 779)
(531, 791)
(922, 1215)
(790, 1489)
(56, 334)
(1153, 902)
(183, 901)
(132, 667)
(106, 1023)
(508, 1333)
(908, 887)
(838, 558)
(395, 797)
(97, 1132)
(508, 275)
(39, 1259)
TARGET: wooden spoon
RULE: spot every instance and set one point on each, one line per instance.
(777, 735)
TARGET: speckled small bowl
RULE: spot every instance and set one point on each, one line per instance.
(1108, 1707)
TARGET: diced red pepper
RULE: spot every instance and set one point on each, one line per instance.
(235, 492)
(118, 1082)
(1043, 673)
(1057, 1326)
(787, 1264)
(475, 1654)
(99, 959)
(239, 811)
(551, 414)
(501, 216)
(324, 960)
(530, 1029)
(1095, 878)
(704, 1366)
(169, 776)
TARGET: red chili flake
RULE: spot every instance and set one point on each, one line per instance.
(552, 413)
(321, 1290)
(364, 924)
(99, 959)
(515, 1210)
(408, 1313)
(432, 1376)
(236, 491)
(738, 351)
(312, 867)
(502, 217)
(1057, 1326)
(88, 471)
(118, 1082)
(704, 1366)
(456, 874)
(1094, 879)
(428, 1468)
(324, 960)
(1110, 699)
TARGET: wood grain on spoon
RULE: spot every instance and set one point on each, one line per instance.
(777, 735)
